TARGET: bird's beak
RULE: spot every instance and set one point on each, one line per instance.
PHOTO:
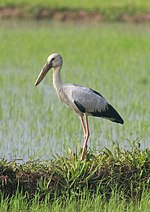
(43, 72)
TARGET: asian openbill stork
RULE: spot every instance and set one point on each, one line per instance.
(84, 101)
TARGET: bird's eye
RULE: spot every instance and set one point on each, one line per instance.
(52, 59)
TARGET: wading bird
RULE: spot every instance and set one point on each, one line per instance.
(84, 101)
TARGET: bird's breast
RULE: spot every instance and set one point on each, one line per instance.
(66, 97)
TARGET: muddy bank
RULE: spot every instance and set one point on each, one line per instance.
(71, 15)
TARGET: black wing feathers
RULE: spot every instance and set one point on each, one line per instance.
(96, 92)
(107, 112)
(79, 106)
(110, 113)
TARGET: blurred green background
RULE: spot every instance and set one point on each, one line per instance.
(110, 57)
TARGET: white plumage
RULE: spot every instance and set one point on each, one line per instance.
(84, 101)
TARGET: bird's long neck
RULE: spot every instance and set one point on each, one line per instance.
(57, 79)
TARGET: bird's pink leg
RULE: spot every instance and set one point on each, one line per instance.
(83, 125)
(86, 135)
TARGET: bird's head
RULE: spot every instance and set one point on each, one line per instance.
(54, 60)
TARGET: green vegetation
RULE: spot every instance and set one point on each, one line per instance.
(19, 203)
(107, 176)
(89, 5)
(111, 10)
(112, 59)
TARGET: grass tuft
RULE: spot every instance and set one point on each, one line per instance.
(125, 171)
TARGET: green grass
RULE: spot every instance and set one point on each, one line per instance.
(111, 10)
(96, 4)
(19, 203)
(101, 181)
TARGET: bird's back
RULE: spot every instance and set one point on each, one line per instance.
(85, 100)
